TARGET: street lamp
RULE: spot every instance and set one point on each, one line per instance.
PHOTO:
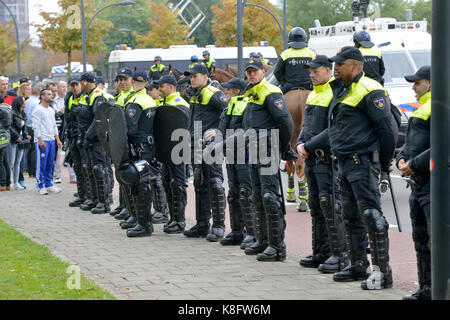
(17, 37)
(84, 31)
(128, 30)
(125, 12)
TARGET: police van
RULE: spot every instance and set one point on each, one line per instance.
(179, 57)
(58, 73)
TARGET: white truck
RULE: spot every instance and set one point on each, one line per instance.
(60, 72)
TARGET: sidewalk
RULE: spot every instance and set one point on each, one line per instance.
(164, 266)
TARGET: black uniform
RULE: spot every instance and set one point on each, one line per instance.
(328, 241)
(139, 115)
(239, 198)
(266, 109)
(417, 151)
(363, 135)
(156, 71)
(206, 108)
(373, 64)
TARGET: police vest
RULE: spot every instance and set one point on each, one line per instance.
(209, 63)
(424, 111)
(298, 56)
(294, 62)
(258, 94)
(142, 99)
(237, 105)
(120, 99)
(192, 65)
(175, 99)
(321, 96)
(205, 95)
(370, 52)
(157, 67)
(265, 61)
(360, 89)
(97, 93)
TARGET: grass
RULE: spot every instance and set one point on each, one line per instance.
(28, 271)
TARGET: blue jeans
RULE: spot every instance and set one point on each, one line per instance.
(44, 164)
(15, 157)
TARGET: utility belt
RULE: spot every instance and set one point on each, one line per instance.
(415, 181)
(358, 158)
(137, 148)
(320, 156)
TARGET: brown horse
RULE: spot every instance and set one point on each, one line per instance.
(233, 70)
(296, 101)
(221, 75)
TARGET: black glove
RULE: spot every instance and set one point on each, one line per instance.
(288, 154)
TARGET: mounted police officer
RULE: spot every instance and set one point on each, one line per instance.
(98, 160)
(156, 70)
(174, 175)
(209, 62)
(362, 134)
(267, 110)
(413, 162)
(207, 106)
(373, 61)
(328, 240)
(139, 115)
(289, 70)
(265, 61)
(194, 61)
(242, 211)
(72, 108)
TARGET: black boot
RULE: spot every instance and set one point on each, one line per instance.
(91, 190)
(131, 222)
(336, 237)
(144, 226)
(319, 239)
(218, 211)
(102, 190)
(236, 236)
(260, 220)
(161, 214)
(76, 203)
(123, 215)
(276, 251)
(421, 294)
(377, 227)
(423, 255)
(178, 200)
(81, 187)
(248, 214)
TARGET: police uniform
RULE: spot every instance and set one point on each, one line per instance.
(206, 107)
(289, 70)
(328, 241)
(98, 160)
(363, 134)
(266, 109)
(139, 115)
(174, 175)
(373, 60)
(241, 208)
(156, 71)
(417, 151)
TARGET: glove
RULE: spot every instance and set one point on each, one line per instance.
(288, 154)
(384, 182)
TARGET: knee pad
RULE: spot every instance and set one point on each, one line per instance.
(216, 185)
(326, 205)
(256, 196)
(270, 199)
(97, 169)
(245, 195)
(374, 219)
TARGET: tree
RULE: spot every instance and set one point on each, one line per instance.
(258, 25)
(8, 47)
(166, 29)
(421, 10)
(61, 32)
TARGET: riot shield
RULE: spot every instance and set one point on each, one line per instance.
(167, 120)
(117, 136)
(101, 117)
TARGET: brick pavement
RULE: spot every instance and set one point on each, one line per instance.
(164, 266)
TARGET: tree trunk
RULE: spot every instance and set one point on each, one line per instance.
(69, 64)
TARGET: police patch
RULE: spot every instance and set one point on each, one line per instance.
(131, 112)
(379, 103)
(224, 98)
(279, 103)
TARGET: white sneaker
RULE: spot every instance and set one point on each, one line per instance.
(54, 189)
(57, 180)
(18, 187)
(43, 191)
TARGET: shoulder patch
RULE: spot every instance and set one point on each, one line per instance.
(131, 112)
(279, 103)
(224, 98)
(379, 103)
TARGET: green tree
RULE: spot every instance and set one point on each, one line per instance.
(421, 10)
(61, 31)
(8, 47)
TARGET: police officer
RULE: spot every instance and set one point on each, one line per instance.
(373, 61)
(194, 61)
(139, 115)
(72, 108)
(328, 239)
(362, 134)
(208, 62)
(260, 57)
(154, 93)
(413, 161)
(156, 70)
(98, 160)
(174, 175)
(266, 109)
(100, 81)
(290, 71)
(239, 182)
(207, 106)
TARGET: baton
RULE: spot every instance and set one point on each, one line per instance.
(283, 206)
(394, 202)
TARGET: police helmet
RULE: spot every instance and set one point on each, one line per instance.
(297, 38)
(194, 58)
(363, 38)
(157, 58)
(132, 173)
(205, 52)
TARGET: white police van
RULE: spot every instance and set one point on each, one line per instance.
(58, 73)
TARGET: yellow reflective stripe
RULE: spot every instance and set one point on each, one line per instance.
(425, 98)
(94, 94)
(192, 65)
(175, 99)
(206, 94)
(121, 97)
(69, 103)
(321, 96)
(359, 90)
(423, 112)
(157, 67)
(259, 93)
(298, 53)
(141, 98)
(236, 106)
(209, 63)
(265, 61)
(370, 52)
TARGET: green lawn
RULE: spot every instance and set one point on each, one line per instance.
(30, 271)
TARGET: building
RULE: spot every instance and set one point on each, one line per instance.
(19, 8)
